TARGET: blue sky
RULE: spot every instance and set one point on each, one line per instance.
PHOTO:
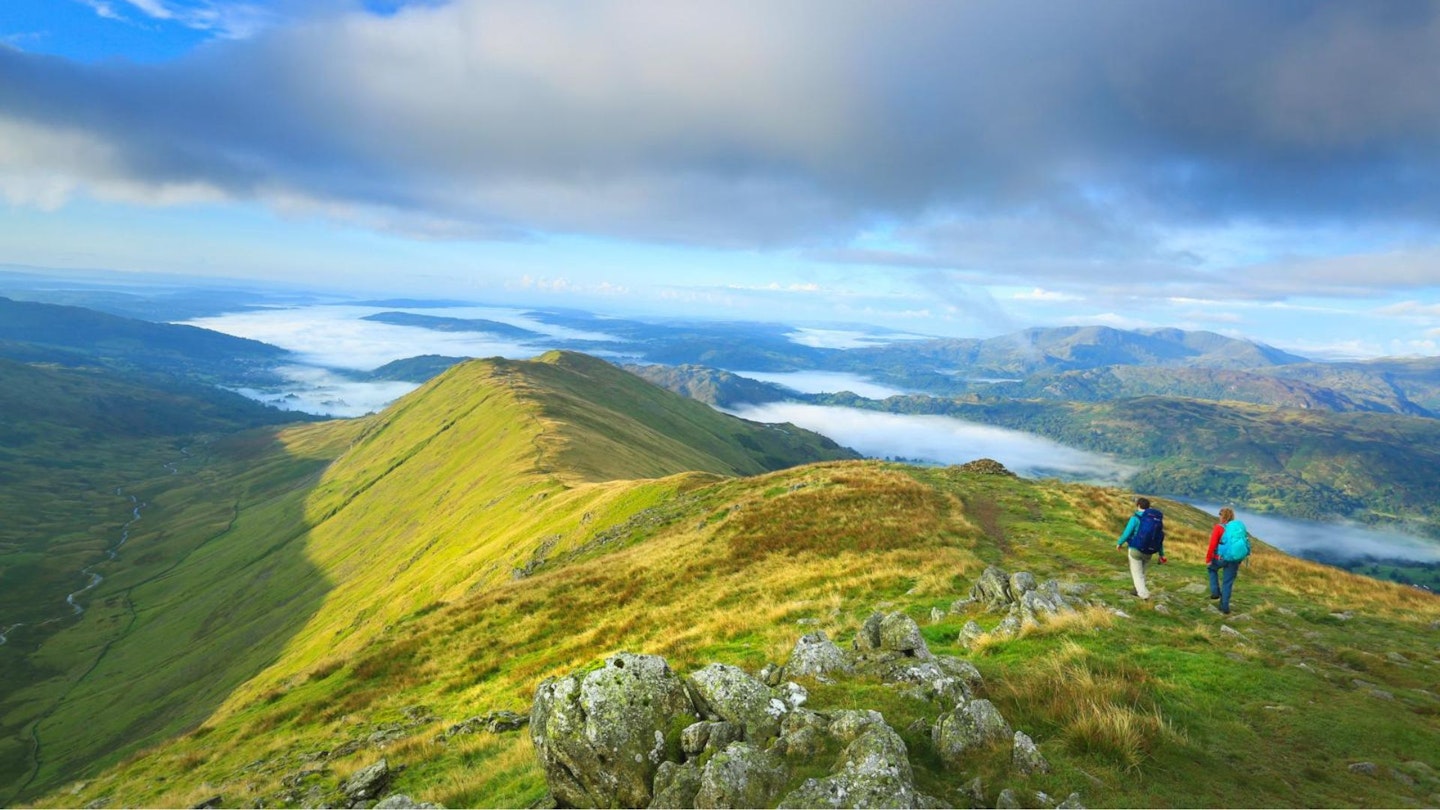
(1265, 170)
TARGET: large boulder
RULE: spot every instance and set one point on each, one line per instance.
(731, 694)
(816, 656)
(1026, 757)
(946, 681)
(975, 724)
(741, 776)
(600, 738)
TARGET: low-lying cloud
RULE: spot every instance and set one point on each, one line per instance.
(824, 382)
(942, 440)
(1339, 541)
(319, 391)
(336, 337)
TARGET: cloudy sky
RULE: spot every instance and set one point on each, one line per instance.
(1269, 170)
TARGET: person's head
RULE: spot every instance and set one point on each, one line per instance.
(1226, 514)
(1143, 503)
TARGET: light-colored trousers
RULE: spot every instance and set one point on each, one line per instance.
(1138, 563)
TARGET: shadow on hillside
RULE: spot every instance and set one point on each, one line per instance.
(210, 593)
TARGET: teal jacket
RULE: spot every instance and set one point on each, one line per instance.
(1130, 528)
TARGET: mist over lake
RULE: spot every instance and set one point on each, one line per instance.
(1337, 541)
(942, 440)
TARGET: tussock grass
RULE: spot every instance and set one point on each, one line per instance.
(1103, 708)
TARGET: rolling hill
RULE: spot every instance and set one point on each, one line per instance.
(374, 583)
(74, 336)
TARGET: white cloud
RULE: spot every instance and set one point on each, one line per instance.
(1040, 294)
(823, 382)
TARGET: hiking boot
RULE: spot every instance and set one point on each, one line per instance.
(1214, 596)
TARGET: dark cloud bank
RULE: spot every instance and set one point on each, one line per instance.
(775, 124)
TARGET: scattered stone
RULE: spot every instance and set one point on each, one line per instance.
(1381, 694)
(959, 605)
(975, 789)
(366, 783)
(868, 637)
(899, 633)
(214, 801)
(771, 673)
(808, 621)
(1397, 658)
(1027, 758)
(400, 801)
(1072, 802)
(1007, 800)
(936, 615)
(1240, 617)
(1343, 616)
(1043, 799)
(103, 801)
(1159, 608)
(992, 588)
(1195, 589)
(1366, 768)
(496, 722)
(970, 633)
(975, 724)
(874, 771)
(385, 735)
(816, 656)
(1305, 665)
(418, 715)
(1230, 631)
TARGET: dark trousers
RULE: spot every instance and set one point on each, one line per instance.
(1221, 585)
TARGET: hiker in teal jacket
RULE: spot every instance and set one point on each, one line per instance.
(1141, 548)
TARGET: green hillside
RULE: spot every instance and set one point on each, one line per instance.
(73, 336)
(451, 489)
(512, 521)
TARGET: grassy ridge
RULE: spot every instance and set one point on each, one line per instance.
(265, 551)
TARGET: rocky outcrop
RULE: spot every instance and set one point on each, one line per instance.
(635, 733)
(367, 783)
(1025, 600)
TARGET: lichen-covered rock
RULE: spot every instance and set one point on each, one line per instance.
(928, 680)
(868, 638)
(1026, 758)
(741, 776)
(992, 588)
(816, 656)
(1072, 802)
(400, 801)
(698, 737)
(1011, 624)
(601, 738)
(803, 734)
(366, 783)
(791, 694)
(874, 771)
(847, 725)
(970, 633)
(1021, 583)
(899, 633)
(1007, 800)
(676, 785)
(731, 694)
(977, 723)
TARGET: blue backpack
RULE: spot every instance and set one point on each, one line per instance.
(1234, 543)
(1150, 534)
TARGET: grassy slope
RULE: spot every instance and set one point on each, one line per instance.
(1165, 694)
(257, 557)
